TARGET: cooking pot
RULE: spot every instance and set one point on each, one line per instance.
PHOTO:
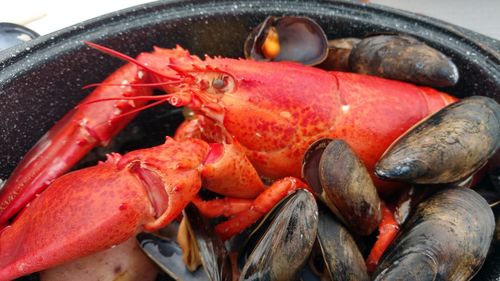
(42, 79)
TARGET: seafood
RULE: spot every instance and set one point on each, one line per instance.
(339, 51)
(285, 242)
(403, 58)
(167, 254)
(447, 147)
(287, 38)
(344, 185)
(447, 238)
(252, 123)
(490, 271)
(211, 250)
(340, 254)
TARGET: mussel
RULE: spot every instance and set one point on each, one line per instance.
(288, 38)
(338, 251)
(449, 146)
(447, 238)
(494, 171)
(339, 51)
(403, 58)
(341, 180)
(281, 245)
(212, 252)
(490, 271)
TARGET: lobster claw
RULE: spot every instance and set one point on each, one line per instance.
(95, 208)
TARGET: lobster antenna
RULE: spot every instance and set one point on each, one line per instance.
(133, 85)
(153, 104)
(122, 115)
(148, 98)
(124, 57)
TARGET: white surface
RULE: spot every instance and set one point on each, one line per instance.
(45, 16)
(482, 16)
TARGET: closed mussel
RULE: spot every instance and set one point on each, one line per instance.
(197, 238)
(288, 38)
(447, 238)
(339, 51)
(342, 182)
(490, 271)
(447, 147)
(403, 58)
(281, 245)
(339, 252)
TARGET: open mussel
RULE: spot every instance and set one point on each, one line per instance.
(403, 58)
(339, 253)
(340, 179)
(449, 146)
(167, 254)
(288, 38)
(281, 244)
(447, 238)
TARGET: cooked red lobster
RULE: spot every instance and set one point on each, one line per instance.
(252, 120)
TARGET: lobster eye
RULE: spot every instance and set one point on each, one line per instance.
(219, 83)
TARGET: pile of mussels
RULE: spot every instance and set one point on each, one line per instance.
(447, 228)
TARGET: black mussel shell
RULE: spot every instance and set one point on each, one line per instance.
(447, 238)
(280, 248)
(12, 34)
(341, 180)
(167, 254)
(490, 271)
(403, 58)
(214, 256)
(301, 40)
(494, 171)
(342, 258)
(339, 51)
(449, 146)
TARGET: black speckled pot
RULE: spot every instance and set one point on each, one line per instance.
(42, 79)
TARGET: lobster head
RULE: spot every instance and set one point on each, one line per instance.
(261, 104)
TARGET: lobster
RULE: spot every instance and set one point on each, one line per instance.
(252, 120)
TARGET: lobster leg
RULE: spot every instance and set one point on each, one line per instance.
(388, 229)
(261, 205)
(226, 206)
(71, 138)
(95, 208)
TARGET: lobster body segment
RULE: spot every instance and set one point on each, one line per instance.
(277, 110)
(254, 119)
